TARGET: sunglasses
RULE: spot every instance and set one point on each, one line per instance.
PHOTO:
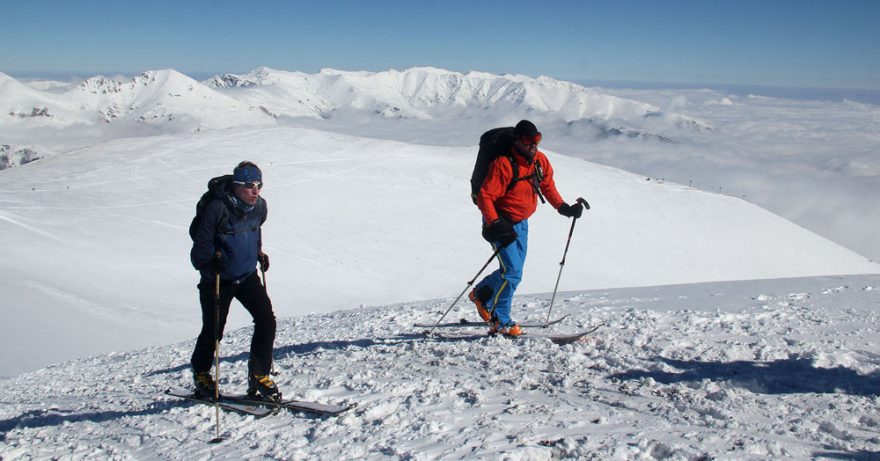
(529, 140)
(249, 185)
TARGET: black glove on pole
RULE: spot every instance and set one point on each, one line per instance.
(218, 265)
(572, 211)
(500, 231)
(580, 201)
(263, 259)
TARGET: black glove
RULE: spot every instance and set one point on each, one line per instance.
(500, 231)
(570, 211)
(263, 259)
(218, 264)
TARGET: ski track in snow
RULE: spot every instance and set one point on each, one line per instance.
(29, 228)
(671, 375)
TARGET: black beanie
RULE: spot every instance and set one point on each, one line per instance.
(525, 128)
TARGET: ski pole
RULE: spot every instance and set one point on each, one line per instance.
(469, 284)
(564, 254)
(217, 438)
(266, 288)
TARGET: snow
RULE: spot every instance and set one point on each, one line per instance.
(727, 331)
(782, 369)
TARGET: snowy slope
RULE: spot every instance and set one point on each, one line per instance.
(96, 250)
(755, 370)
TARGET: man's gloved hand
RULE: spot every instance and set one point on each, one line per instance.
(572, 211)
(218, 264)
(500, 231)
(263, 259)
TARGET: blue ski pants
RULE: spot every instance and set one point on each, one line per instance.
(505, 279)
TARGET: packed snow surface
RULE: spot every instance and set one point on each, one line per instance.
(774, 369)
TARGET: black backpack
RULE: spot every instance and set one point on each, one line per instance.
(494, 143)
(218, 188)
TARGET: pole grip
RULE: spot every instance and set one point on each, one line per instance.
(583, 201)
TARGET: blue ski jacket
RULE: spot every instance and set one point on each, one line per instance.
(233, 228)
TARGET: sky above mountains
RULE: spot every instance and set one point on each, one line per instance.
(777, 43)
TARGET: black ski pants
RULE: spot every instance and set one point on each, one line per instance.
(252, 295)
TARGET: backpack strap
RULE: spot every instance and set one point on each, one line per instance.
(515, 168)
(534, 179)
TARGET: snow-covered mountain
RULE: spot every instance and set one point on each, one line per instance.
(755, 370)
(44, 123)
(45, 118)
(163, 97)
(155, 97)
(428, 93)
(20, 104)
(96, 250)
(166, 101)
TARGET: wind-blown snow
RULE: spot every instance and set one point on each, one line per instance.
(783, 369)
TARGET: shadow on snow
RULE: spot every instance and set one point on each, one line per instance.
(58, 417)
(855, 456)
(786, 376)
(321, 346)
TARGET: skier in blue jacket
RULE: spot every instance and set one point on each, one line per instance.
(228, 242)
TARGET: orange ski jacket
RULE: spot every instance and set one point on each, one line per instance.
(521, 201)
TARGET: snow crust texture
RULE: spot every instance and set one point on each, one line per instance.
(784, 369)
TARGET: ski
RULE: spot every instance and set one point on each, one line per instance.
(471, 323)
(562, 338)
(296, 405)
(556, 338)
(238, 407)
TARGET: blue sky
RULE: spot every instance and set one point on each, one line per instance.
(796, 43)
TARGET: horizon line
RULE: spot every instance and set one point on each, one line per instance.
(867, 95)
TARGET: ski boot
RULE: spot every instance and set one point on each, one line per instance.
(511, 329)
(262, 387)
(479, 300)
(205, 387)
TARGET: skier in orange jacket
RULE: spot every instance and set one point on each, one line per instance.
(507, 198)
